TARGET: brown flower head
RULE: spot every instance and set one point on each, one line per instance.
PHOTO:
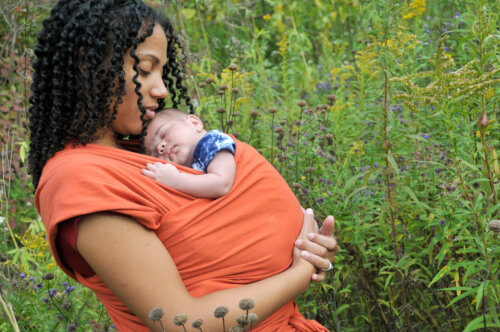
(254, 113)
(242, 320)
(302, 103)
(221, 110)
(209, 80)
(483, 121)
(494, 226)
(156, 314)
(203, 84)
(252, 318)
(246, 304)
(221, 311)
(223, 87)
(180, 319)
(197, 323)
(48, 276)
(235, 90)
(331, 98)
(232, 67)
(273, 110)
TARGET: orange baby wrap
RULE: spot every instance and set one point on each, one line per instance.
(242, 237)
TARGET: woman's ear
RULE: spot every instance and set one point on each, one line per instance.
(196, 122)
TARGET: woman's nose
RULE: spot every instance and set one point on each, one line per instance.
(159, 90)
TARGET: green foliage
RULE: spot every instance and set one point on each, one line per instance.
(398, 139)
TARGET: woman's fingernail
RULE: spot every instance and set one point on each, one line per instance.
(309, 211)
(311, 236)
(298, 242)
(306, 254)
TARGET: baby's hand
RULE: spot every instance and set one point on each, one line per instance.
(164, 173)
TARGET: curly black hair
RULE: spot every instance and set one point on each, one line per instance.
(78, 72)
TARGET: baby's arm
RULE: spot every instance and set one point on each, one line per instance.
(215, 183)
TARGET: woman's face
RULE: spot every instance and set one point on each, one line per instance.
(152, 55)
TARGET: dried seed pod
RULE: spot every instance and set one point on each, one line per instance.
(302, 103)
(209, 80)
(483, 121)
(156, 314)
(310, 169)
(203, 84)
(232, 67)
(48, 276)
(221, 110)
(180, 319)
(252, 318)
(296, 185)
(246, 304)
(254, 113)
(282, 122)
(220, 93)
(387, 145)
(241, 320)
(494, 226)
(223, 87)
(235, 90)
(197, 323)
(331, 98)
(273, 110)
(220, 311)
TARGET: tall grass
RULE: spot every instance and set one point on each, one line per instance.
(382, 113)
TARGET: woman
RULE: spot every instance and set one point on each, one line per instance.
(99, 75)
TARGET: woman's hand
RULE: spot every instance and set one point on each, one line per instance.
(317, 247)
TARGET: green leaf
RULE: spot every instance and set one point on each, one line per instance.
(341, 308)
(393, 163)
(414, 197)
(480, 292)
(478, 323)
(439, 275)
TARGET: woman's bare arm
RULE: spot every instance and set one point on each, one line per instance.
(135, 265)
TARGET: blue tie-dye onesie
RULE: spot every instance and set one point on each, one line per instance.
(208, 146)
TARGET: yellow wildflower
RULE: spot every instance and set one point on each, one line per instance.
(357, 148)
(266, 17)
(415, 8)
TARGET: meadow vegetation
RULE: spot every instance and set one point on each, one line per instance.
(382, 113)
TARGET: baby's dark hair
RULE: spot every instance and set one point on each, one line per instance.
(78, 72)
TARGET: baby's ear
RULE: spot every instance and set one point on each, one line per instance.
(195, 121)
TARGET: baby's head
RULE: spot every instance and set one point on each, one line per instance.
(172, 135)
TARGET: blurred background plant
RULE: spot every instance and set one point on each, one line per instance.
(382, 113)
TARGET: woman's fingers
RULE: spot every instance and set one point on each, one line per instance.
(320, 247)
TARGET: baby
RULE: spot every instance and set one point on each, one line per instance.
(178, 137)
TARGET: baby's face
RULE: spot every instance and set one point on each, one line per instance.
(173, 139)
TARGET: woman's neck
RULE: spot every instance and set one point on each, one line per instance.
(109, 138)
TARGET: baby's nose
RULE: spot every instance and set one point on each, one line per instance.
(161, 148)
